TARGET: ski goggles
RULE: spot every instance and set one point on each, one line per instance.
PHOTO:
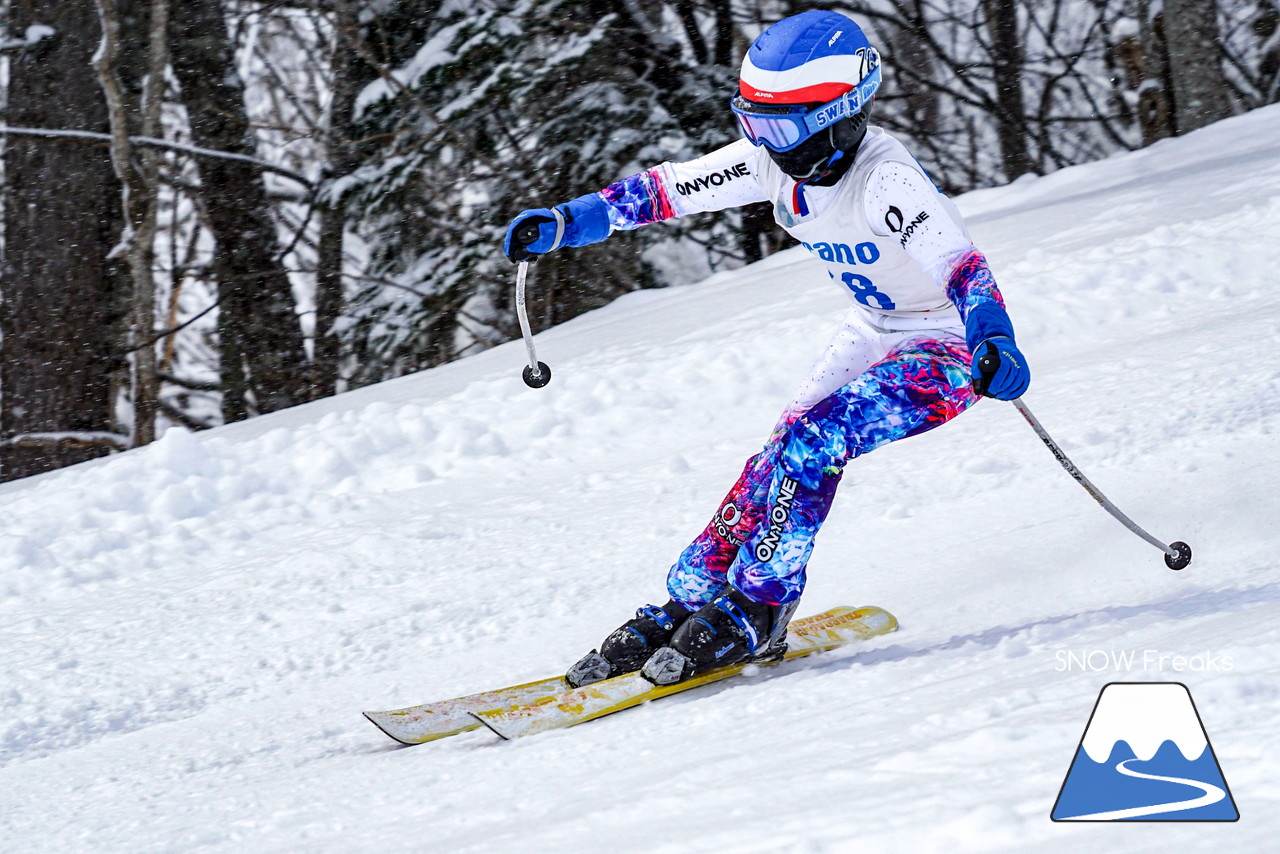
(783, 128)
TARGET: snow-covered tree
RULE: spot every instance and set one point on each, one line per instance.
(508, 105)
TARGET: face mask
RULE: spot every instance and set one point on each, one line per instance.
(825, 154)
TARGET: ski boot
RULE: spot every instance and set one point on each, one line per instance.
(730, 630)
(629, 645)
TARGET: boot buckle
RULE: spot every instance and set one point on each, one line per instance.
(741, 622)
(659, 616)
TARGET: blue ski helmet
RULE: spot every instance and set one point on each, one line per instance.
(805, 92)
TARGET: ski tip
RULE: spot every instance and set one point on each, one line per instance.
(489, 726)
(373, 718)
(881, 617)
(866, 620)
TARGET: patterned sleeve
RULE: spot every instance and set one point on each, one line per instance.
(971, 284)
(903, 203)
(725, 178)
(638, 200)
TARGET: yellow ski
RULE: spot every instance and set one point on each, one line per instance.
(831, 629)
(443, 718)
(430, 721)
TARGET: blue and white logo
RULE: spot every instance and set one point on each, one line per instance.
(1145, 756)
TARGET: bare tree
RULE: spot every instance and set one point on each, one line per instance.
(261, 343)
(138, 171)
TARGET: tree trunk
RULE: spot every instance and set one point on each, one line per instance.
(261, 341)
(1007, 59)
(758, 231)
(130, 113)
(345, 70)
(689, 20)
(1155, 91)
(1200, 91)
(910, 50)
(723, 52)
(1265, 22)
(60, 216)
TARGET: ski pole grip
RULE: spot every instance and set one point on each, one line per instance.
(528, 233)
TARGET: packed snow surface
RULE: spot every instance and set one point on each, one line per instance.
(189, 632)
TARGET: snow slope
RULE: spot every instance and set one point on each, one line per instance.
(189, 632)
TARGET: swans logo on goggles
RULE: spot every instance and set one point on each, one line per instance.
(728, 516)
(834, 113)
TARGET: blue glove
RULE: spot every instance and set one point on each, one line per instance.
(999, 369)
(535, 232)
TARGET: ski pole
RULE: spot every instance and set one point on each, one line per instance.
(536, 374)
(1176, 554)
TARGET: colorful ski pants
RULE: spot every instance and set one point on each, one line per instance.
(871, 387)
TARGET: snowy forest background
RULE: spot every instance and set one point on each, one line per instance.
(215, 209)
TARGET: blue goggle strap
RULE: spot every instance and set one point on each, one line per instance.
(848, 104)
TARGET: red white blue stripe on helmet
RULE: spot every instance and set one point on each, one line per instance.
(813, 57)
(817, 81)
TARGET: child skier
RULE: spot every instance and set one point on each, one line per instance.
(899, 364)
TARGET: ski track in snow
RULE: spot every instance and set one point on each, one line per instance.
(189, 632)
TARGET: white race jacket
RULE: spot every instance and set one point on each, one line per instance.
(887, 236)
